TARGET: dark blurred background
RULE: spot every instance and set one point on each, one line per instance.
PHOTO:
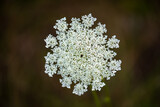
(26, 23)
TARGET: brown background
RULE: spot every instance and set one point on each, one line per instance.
(25, 24)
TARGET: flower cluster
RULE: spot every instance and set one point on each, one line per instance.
(81, 54)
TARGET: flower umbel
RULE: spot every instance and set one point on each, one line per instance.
(81, 54)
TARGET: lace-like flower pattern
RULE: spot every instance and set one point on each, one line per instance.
(81, 54)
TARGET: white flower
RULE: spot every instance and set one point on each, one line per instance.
(50, 69)
(97, 85)
(88, 21)
(100, 29)
(75, 24)
(113, 42)
(79, 89)
(50, 41)
(115, 65)
(61, 25)
(81, 54)
(66, 82)
(50, 58)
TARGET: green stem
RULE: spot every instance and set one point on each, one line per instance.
(107, 98)
(98, 104)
